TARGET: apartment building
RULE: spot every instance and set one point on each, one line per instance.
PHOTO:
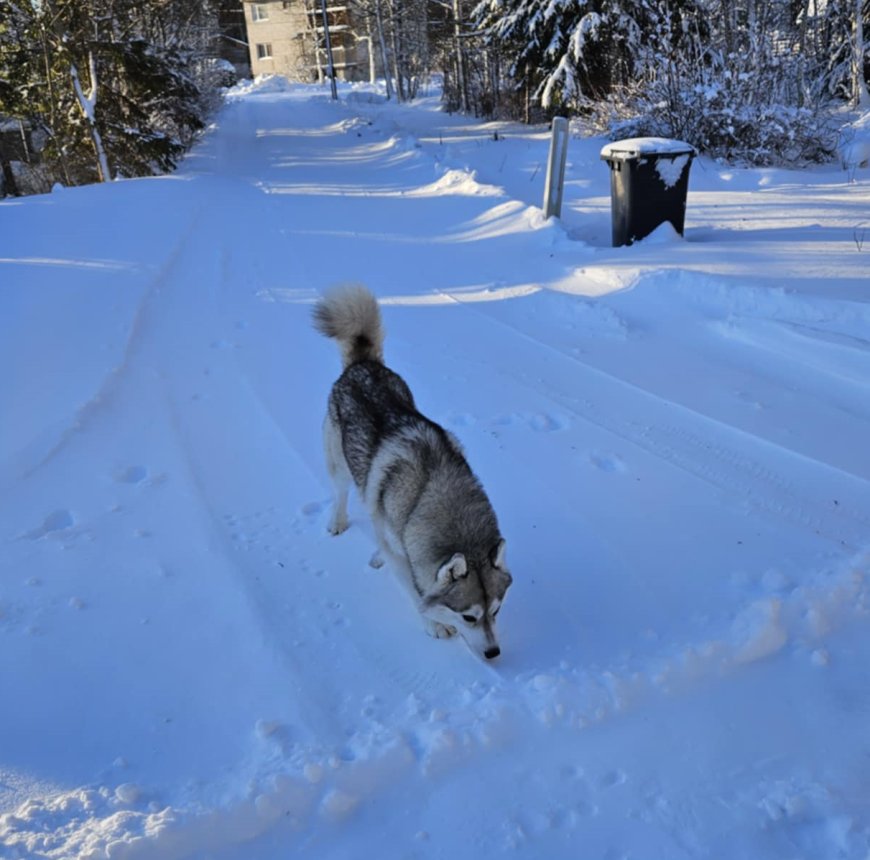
(286, 37)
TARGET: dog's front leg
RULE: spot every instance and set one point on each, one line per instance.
(338, 522)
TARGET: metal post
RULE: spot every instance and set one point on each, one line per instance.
(330, 66)
(555, 183)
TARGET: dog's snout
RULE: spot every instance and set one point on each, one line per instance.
(492, 653)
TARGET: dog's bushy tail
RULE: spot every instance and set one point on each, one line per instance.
(350, 314)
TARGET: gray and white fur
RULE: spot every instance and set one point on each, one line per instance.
(431, 516)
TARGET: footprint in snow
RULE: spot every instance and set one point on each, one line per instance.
(540, 422)
(313, 514)
(612, 779)
(57, 521)
(132, 475)
(547, 423)
(607, 462)
(460, 419)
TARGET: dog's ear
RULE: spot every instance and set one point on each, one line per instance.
(501, 579)
(497, 556)
(454, 569)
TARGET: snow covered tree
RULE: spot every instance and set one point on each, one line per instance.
(746, 79)
(860, 95)
(13, 59)
(11, 78)
(373, 16)
(471, 65)
(563, 52)
(409, 47)
(116, 87)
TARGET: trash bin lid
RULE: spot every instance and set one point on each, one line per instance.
(636, 147)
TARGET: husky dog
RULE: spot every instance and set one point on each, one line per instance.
(431, 516)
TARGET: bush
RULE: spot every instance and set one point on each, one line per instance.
(749, 133)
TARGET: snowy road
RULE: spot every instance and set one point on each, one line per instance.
(673, 436)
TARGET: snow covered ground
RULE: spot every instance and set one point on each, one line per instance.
(674, 435)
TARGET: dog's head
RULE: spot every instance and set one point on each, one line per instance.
(467, 595)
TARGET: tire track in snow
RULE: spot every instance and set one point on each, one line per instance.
(725, 456)
(310, 788)
(235, 454)
(313, 787)
(842, 359)
(113, 381)
(257, 489)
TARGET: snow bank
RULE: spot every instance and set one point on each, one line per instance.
(854, 146)
(262, 83)
(457, 182)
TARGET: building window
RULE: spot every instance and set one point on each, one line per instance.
(264, 52)
(259, 12)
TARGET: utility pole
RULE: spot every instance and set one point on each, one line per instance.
(459, 49)
(330, 66)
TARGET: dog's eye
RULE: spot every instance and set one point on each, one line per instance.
(495, 611)
(470, 619)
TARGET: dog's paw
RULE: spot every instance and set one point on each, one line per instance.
(437, 630)
(336, 527)
(376, 561)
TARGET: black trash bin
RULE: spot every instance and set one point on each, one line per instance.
(649, 178)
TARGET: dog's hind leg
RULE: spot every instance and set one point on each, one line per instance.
(338, 522)
(340, 475)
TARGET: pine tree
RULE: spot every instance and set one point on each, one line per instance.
(116, 87)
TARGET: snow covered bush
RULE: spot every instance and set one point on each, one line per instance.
(750, 80)
(765, 135)
(743, 115)
(752, 94)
